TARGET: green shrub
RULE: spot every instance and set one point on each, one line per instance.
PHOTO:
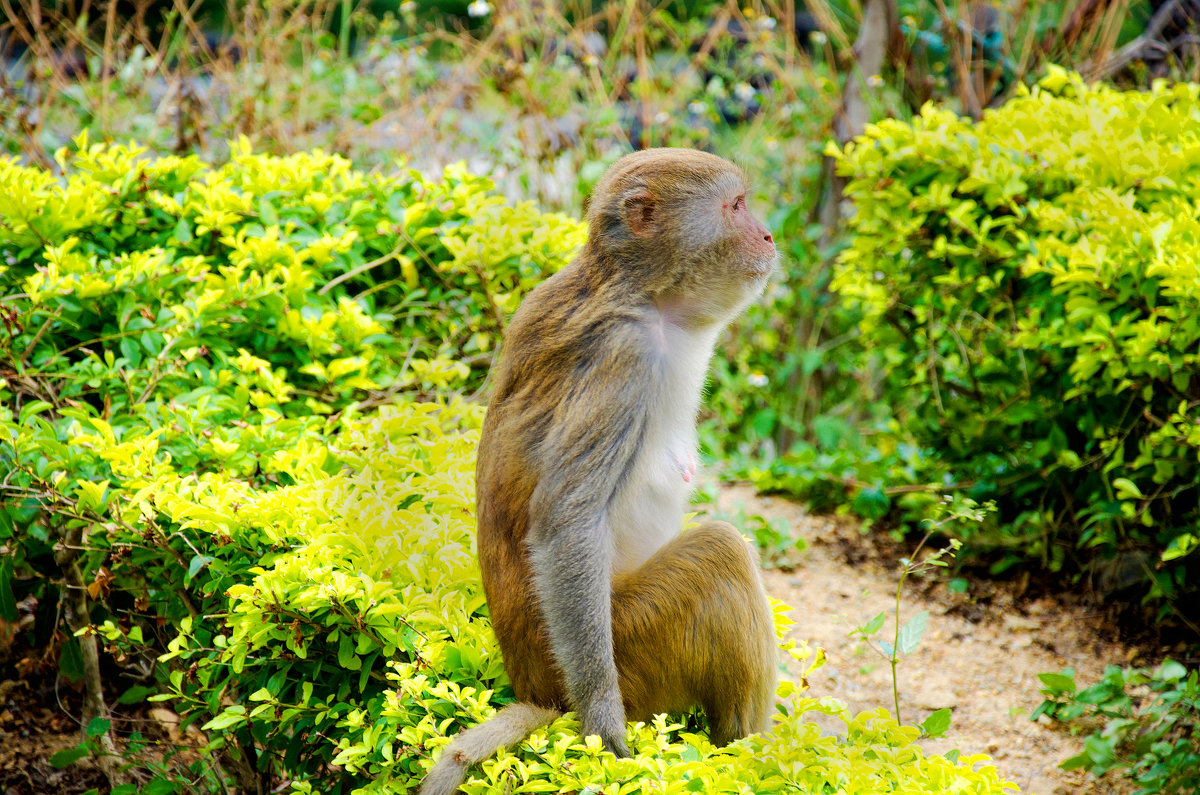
(1031, 293)
(1150, 720)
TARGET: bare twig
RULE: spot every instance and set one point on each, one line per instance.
(356, 271)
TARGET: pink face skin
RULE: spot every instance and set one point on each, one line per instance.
(757, 238)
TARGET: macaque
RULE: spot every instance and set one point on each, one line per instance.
(600, 603)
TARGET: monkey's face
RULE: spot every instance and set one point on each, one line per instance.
(732, 258)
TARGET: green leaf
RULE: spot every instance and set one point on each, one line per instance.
(871, 503)
(131, 351)
(266, 212)
(31, 410)
(346, 656)
(764, 422)
(937, 724)
(1058, 683)
(1127, 489)
(1181, 546)
(135, 695)
(68, 756)
(70, 661)
(911, 633)
(98, 726)
(8, 603)
(159, 786)
(197, 563)
(1077, 762)
(183, 232)
(1100, 749)
(232, 716)
(1171, 671)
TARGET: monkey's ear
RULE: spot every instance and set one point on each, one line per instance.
(641, 213)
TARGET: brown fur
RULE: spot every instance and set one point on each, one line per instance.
(601, 366)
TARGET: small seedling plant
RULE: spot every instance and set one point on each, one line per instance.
(907, 637)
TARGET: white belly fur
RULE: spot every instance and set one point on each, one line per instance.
(648, 511)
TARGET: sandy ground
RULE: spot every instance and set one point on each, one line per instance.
(980, 654)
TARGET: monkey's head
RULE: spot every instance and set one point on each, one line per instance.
(674, 224)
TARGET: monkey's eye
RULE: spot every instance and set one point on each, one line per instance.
(739, 203)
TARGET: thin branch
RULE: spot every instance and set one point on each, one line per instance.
(366, 266)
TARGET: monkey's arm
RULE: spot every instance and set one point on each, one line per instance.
(582, 460)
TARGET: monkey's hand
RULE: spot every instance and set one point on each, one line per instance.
(606, 718)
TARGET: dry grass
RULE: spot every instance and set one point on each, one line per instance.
(536, 95)
(282, 75)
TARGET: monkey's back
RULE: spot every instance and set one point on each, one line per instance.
(542, 340)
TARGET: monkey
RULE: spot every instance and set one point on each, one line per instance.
(599, 602)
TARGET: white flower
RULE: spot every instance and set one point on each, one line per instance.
(744, 92)
(875, 81)
(818, 38)
(757, 379)
(765, 23)
(408, 7)
(662, 117)
(479, 8)
(697, 107)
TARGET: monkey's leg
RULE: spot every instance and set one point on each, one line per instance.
(692, 626)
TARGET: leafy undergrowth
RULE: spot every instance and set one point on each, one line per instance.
(1144, 723)
(1030, 309)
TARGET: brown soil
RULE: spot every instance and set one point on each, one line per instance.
(980, 654)
(32, 729)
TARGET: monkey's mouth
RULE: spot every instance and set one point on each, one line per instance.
(761, 269)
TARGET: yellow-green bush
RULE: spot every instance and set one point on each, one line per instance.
(162, 317)
(370, 588)
(1031, 286)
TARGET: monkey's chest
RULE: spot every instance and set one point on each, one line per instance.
(648, 512)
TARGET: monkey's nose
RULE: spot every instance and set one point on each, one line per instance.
(767, 237)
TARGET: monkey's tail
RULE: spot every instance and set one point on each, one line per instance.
(508, 726)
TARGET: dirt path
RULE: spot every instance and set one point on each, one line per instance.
(980, 655)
